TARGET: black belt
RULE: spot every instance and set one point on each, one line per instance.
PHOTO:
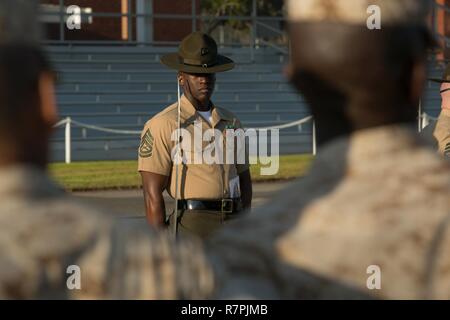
(223, 206)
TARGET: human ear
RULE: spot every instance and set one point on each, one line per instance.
(47, 100)
(180, 78)
(417, 84)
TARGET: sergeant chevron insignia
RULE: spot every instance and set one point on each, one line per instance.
(447, 150)
(146, 147)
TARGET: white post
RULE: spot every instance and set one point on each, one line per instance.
(420, 116)
(314, 146)
(425, 120)
(67, 140)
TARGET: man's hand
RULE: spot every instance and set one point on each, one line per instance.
(154, 186)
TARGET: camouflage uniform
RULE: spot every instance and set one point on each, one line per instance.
(441, 132)
(368, 200)
(377, 198)
(43, 231)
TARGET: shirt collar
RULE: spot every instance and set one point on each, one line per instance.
(189, 112)
(26, 181)
(367, 151)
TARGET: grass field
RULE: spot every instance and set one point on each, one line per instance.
(101, 175)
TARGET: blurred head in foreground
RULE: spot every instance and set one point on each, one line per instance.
(359, 63)
(27, 103)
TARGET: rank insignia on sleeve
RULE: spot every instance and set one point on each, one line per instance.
(447, 150)
(146, 147)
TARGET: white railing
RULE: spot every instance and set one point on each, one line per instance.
(424, 120)
(68, 122)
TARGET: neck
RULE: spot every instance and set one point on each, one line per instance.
(17, 156)
(206, 106)
(199, 105)
(329, 128)
(8, 163)
(359, 117)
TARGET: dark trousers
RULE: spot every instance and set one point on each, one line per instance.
(201, 223)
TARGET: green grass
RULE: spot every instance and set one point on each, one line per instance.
(100, 175)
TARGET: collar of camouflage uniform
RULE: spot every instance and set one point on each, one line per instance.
(24, 179)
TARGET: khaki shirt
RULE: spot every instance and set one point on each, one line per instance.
(196, 180)
(378, 198)
(442, 132)
(43, 232)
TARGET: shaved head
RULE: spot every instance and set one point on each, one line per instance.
(26, 86)
(24, 129)
(355, 78)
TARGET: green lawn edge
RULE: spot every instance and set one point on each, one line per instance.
(123, 175)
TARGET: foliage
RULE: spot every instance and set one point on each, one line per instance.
(217, 8)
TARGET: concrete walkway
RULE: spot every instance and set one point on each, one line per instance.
(130, 203)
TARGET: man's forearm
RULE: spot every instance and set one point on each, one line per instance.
(155, 210)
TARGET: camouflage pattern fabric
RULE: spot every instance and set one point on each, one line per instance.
(377, 198)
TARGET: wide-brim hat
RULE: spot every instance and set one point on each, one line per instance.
(445, 77)
(197, 53)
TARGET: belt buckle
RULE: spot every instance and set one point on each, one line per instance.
(224, 206)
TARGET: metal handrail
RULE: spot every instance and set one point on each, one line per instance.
(274, 46)
(254, 19)
(270, 44)
(270, 28)
(135, 43)
(167, 16)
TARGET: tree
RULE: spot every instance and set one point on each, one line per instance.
(217, 8)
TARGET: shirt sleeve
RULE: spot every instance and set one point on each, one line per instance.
(442, 132)
(156, 147)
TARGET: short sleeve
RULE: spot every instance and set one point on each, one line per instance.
(155, 147)
(240, 168)
(442, 132)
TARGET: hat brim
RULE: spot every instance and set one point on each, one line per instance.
(172, 61)
(438, 80)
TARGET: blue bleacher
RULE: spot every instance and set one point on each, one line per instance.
(122, 87)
